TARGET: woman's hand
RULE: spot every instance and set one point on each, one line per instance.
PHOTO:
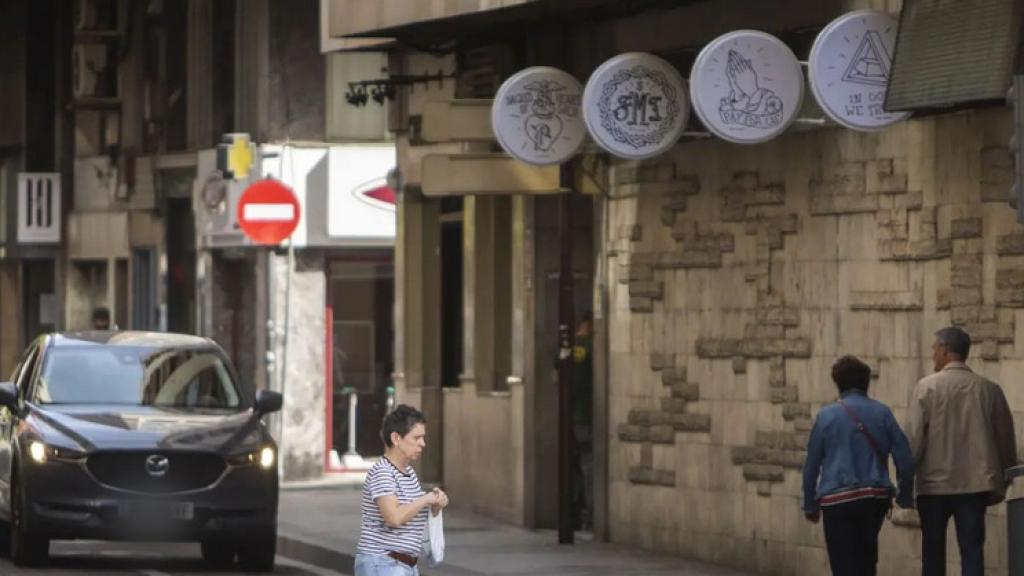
(440, 503)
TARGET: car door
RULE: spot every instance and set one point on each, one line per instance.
(9, 422)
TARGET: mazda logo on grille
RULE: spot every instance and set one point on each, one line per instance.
(157, 465)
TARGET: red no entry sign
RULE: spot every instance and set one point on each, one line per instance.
(268, 212)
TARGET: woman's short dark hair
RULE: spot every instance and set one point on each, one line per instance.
(402, 419)
(849, 372)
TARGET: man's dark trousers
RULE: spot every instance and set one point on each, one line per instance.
(851, 535)
(968, 512)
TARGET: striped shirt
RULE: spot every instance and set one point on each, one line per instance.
(377, 537)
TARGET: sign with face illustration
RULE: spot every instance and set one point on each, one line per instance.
(747, 87)
(635, 105)
(849, 69)
(536, 116)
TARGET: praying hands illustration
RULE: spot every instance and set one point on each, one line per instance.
(745, 93)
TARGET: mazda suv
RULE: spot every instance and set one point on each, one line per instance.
(136, 436)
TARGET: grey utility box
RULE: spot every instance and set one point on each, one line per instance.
(1015, 519)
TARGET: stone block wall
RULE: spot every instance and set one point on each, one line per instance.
(738, 275)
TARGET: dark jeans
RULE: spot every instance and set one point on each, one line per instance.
(583, 477)
(851, 535)
(968, 512)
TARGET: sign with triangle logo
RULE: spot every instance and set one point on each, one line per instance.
(871, 63)
(849, 69)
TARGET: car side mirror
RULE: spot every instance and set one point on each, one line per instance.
(268, 401)
(9, 395)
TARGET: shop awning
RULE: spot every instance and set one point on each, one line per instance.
(953, 53)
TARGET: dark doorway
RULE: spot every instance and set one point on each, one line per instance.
(181, 266)
(145, 315)
(451, 298)
(361, 311)
(40, 298)
(545, 402)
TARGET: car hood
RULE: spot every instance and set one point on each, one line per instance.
(144, 427)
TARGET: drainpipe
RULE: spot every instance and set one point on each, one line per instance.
(270, 355)
(287, 326)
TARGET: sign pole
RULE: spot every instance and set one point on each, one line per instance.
(566, 335)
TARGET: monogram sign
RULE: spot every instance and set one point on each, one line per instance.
(635, 105)
(747, 87)
(849, 70)
(536, 116)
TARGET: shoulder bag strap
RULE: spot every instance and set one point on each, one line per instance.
(864, 430)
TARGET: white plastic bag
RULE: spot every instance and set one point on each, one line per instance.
(433, 539)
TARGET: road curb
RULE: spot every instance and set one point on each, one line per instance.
(344, 562)
(316, 555)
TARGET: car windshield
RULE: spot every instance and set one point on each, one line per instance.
(139, 376)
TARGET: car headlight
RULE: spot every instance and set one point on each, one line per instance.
(37, 450)
(264, 457)
(41, 453)
(267, 457)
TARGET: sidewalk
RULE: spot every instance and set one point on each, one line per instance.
(319, 525)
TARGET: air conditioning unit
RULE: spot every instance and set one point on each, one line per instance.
(85, 14)
(87, 62)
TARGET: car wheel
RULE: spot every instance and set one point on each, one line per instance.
(256, 554)
(218, 553)
(26, 549)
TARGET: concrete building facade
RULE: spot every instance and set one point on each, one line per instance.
(724, 280)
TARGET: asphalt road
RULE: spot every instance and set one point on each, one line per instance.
(103, 559)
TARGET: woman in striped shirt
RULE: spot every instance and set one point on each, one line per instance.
(394, 506)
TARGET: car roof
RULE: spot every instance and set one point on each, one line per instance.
(129, 338)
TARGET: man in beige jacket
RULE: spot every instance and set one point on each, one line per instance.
(961, 434)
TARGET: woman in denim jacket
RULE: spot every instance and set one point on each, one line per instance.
(849, 450)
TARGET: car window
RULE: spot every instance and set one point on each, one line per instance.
(26, 368)
(180, 378)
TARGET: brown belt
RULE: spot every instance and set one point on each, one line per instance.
(404, 558)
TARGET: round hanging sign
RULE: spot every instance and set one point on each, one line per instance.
(635, 105)
(747, 87)
(536, 116)
(849, 69)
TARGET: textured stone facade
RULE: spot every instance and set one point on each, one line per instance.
(739, 274)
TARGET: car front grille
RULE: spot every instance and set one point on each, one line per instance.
(144, 471)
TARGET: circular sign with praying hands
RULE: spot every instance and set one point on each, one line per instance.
(747, 87)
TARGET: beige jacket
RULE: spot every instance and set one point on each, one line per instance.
(961, 434)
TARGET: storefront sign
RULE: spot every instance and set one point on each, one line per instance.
(747, 87)
(536, 116)
(849, 69)
(635, 105)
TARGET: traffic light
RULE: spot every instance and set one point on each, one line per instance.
(1015, 98)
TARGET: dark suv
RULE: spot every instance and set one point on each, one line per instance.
(131, 435)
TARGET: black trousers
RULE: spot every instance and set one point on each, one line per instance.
(968, 512)
(851, 535)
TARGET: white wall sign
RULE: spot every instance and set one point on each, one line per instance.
(536, 116)
(635, 105)
(747, 87)
(849, 69)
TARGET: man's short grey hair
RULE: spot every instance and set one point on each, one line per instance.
(956, 341)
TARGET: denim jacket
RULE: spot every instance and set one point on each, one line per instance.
(845, 460)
